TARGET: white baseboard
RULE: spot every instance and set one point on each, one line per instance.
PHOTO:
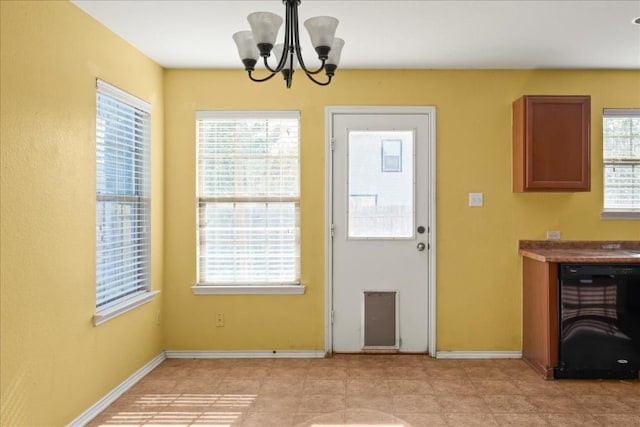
(107, 400)
(478, 355)
(178, 354)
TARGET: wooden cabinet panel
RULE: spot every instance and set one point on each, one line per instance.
(551, 143)
(540, 315)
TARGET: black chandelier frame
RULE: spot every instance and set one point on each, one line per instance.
(291, 47)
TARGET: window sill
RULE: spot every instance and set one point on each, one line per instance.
(112, 312)
(620, 215)
(248, 289)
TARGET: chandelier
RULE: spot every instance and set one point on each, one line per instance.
(260, 42)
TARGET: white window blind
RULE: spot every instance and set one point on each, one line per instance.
(248, 198)
(122, 195)
(621, 143)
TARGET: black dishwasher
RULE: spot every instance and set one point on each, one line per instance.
(599, 317)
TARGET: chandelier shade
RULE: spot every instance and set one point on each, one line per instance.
(260, 42)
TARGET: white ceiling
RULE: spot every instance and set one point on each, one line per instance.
(394, 33)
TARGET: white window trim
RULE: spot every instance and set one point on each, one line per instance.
(284, 289)
(108, 312)
(129, 304)
(619, 214)
(290, 288)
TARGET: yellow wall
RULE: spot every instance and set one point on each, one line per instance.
(55, 364)
(478, 267)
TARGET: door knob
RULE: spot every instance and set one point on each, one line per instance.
(421, 246)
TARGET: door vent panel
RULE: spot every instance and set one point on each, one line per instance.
(380, 320)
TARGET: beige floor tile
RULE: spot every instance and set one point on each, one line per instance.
(445, 373)
(410, 360)
(555, 404)
(406, 372)
(380, 403)
(150, 385)
(283, 372)
(520, 420)
(324, 386)
(281, 386)
(577, 387)
(402, 390)
(244, 372)
(366, 372)
(239, 386)
(570, 420)
(368, 387)
(327, 372)
(194, 400)
(193, 385)
(372, 417)
(470, 420)
(539, 387)
(462, 404)
(267, 419)
(618, 420)
(168, 372)
(509, 404)
(484, 387)
(322, 403)
(306, 419)
(486, 373)
(410, 387)
(596, 404)
(415, 404)
(456, 386)
(287, 404)
(208, 373)
(424, 420)
(291, 363)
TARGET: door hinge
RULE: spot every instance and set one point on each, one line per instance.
(333, 230)
(333, 144)
(332, 316)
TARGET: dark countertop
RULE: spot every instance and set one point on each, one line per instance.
(589, 251)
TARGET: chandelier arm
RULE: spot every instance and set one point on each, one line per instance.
(296, 44)
(262, 79)
(289, 7)
(317, 82)
(266, 65)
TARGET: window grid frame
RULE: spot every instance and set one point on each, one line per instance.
(203, 199)
(123, 186)
(609, 161)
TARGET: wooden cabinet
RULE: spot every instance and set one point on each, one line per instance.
(551, 142)
(540, 315)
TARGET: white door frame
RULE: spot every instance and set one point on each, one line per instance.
(430, 112)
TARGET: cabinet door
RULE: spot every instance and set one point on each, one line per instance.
(551, 137)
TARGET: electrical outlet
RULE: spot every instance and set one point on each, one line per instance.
(553, 235)
(219, 320)
(476, 200)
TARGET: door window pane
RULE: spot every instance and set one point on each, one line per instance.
(381, 204)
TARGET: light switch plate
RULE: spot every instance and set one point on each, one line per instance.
(476, 200)
(553, 235)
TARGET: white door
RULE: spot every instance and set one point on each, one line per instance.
(380, 232)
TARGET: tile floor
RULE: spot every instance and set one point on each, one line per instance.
(368, 390)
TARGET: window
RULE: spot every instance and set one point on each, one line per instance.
(391, 155)
(621, 143)
(122, 197)
(248, 194)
